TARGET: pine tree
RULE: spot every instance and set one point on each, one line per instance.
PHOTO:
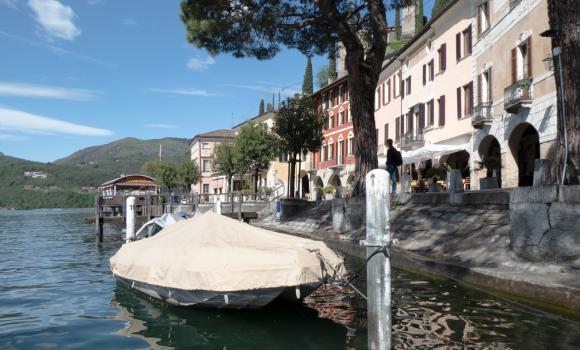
(332, 64)
(419, 19)
(398, 22)
(307, 84)
(261, 107)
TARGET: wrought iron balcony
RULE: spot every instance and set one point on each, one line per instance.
(481, 115)
(518, 95)
(412, 140)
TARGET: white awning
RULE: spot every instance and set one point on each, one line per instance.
(432, 151)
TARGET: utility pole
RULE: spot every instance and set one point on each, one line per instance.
(378, 241)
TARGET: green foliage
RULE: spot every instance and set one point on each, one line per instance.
(168, 175)
(189, 174)
(225, 160)
(328, 189)
(307, 83)
(261, 111)
(398, 29)
(322, 77)
(438, 6)
(419, 19)
(255, 148)
(151, 167)
(297, 126)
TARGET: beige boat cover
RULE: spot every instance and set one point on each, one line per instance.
(214, 252)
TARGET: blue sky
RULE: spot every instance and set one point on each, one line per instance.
(78, 73)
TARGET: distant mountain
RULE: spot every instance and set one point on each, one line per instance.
(127, 155)
(70, 182)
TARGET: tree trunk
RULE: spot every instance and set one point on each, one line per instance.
(292, 179)
(563, 15)
(230, 184)
(364, 67)
(254, 183)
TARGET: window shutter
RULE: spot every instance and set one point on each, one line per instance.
(432, 112)
(424, 74)
(470, 100)
(459, 102)
(489, 85)
(386, 132)
(397, 128)
(529, 54)
(410, 121)
(402, 125)
(514, 65)
(409, 82)
(444, 57)
(478, 9)
(421, 116)
(432, 72)
(402, 88)
(479, 99)
(442, 110)
(458, 46)
(469, 40)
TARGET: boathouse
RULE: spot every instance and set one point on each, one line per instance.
(130, 184)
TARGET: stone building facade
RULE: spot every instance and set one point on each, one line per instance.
(202, 147)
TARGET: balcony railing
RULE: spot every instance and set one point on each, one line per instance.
(481, 115)
(518, 95)
(410, 139)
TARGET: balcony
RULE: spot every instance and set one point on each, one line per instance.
(518, 95)
(411, 140)
(482, 115)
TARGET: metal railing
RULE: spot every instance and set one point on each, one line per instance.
(516, 94)
(410, 138)
(482, 115)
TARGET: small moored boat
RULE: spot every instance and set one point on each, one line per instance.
(214, 261)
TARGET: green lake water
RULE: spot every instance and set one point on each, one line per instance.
(56, 292)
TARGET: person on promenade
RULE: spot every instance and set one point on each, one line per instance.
(394, 159)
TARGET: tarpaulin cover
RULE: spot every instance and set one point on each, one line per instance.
(213, 252)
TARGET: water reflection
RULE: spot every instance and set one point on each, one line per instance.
(278, 326)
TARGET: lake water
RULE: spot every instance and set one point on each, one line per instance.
(56, 292)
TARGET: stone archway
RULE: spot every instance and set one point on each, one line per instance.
(318, 185)
(524, 148)
(489, 152)
(335, 182)
(305, 184)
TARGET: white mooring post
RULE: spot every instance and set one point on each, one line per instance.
(218, 207)
(130, 219)
(379, 267)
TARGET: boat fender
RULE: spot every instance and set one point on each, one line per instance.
(226, 300)
(298, 293)
(133, 284)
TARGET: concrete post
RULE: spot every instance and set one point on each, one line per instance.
(218, 207)
(130, 223)
(542, 174)
(406, 183)
(379, 267)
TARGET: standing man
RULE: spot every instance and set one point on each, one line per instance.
(394, 159)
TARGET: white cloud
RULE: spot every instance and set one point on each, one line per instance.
(58, 51)
(161, 126)
(29, 90)
(190, 92)
(130, 22)
(55, 18)
(199, 64)
(13, 138)
(15, 120)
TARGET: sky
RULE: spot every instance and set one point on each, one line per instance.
(79, 73)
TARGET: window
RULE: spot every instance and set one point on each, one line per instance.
(482, 18)
(386, 132)
(442, 55)
(205, 188)
(341, 117)
(468, 99)
(330, 151)
(345, 92)
(349, 116)
(387, 92)
(330, 121)
(322, 153)
(441, 103)
(350, 146)
(430, 113)
(408, 86)
(484, 87)
(522, 61)
(205, 165)
(431, 70)
(324, 102)
(340, 95)
(397, 85)
(463, 44)
(331, 100)
(205, 145)
(339, 151)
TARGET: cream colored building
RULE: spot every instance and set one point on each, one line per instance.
(516, 108)
(202, 147)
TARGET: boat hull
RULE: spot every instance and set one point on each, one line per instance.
(244, 299)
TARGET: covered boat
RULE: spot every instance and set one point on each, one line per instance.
(214, 261)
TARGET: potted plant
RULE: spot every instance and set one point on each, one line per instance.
(328, 192)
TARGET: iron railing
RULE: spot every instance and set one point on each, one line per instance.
(412, 139)
(482, 115)
(517, 94)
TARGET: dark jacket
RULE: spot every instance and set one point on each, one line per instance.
(391, 155)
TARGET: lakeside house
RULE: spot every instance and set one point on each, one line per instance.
(130, 184)
(202, 147)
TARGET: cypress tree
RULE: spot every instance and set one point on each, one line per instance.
(332, 64)
(307, 84)
(419, 20)
(438, 6)
(398, 30)
(261, 107)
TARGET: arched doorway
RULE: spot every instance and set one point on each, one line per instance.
(524, 145)
(337, 184)
(490, 157)
(458, 160)
(318, 185)
(305, 185)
